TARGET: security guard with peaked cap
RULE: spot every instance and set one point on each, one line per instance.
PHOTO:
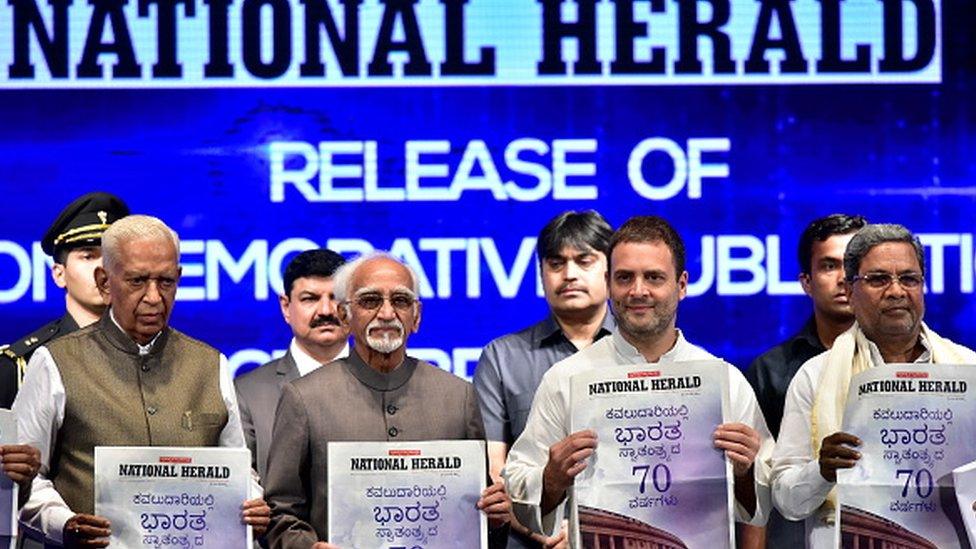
(74, 241)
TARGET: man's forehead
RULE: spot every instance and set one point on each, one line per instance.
(84, 249)
(642, 256)
(312, 282)
(891, 252)
(381, 271)
(833, 245)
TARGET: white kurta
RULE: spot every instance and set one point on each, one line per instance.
(797, 485)
(549, 421)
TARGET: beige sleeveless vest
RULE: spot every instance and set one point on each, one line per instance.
(115, 397)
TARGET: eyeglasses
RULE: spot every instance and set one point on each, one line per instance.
(880, 281)
(371, 301)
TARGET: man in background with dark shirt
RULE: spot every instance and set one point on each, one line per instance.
(572, 251)
(821, 256)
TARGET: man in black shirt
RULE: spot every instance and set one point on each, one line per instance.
(821, 255)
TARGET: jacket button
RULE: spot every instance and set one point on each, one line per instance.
(145, 367)
(151, 410)
(391, 409)
(392, 431)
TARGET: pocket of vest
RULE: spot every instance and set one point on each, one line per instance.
(201, 421)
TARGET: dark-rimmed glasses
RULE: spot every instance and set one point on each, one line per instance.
(881, 281)
(372, 301)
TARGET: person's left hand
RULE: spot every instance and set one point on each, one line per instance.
(21, 463)
(496, 504)
(741, 444)
(257, 513)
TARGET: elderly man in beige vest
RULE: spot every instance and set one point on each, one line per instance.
(884, 267)
(127, 380)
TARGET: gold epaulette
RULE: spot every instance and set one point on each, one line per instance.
(18, 360)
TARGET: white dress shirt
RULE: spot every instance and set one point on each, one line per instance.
(549, 422)
(39, 407)
(797, 485)
(304, 361)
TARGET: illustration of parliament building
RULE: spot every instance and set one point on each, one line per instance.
(863, 530)
(601, 529)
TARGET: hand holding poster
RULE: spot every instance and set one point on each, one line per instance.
(916, 425)
(656, 476)
(407, 495)
(8, 488)
(159, 497)
(964, 479)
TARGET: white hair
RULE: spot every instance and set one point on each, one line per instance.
(343, 275)
(134, 227)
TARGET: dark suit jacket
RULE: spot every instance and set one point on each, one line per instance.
(258, 392)
(346, 400)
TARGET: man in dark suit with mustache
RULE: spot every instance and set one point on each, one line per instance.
(309, 307)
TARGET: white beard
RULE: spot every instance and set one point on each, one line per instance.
(387, 343)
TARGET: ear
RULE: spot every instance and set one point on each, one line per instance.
(101, 281)
(342, 312)
(283, 302)
(682, 285)
(805, 284)
(58, 274)
(416, 318)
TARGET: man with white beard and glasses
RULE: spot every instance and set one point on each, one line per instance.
(377, 393)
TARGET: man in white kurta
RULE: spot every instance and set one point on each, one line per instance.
(647, 280)
(884, 271)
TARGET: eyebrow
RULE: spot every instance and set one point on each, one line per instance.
(396, 290)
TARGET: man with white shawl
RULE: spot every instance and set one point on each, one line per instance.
(884, 270)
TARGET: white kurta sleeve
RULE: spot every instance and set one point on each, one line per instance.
(546, 425)
(232, 436)
(39, 408)
(745, 409)
(798, 488)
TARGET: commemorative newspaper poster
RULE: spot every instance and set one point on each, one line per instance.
(407, 495)
(965, 481)
(168, 497)
(655, 479)
(916, 424)
(8, 488)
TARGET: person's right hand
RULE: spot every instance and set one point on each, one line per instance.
(836, 453)
(21, 463)
(86, 531)
(324, 545)
(567, 458)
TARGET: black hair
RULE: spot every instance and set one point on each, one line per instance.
(581, 230)
(322, 262)
(820, 230)
(651, 228)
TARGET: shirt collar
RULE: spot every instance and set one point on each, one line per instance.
(143, 349)
(549, 332)
(628, 354)
(305, 363)
(808, 336)
(378, 381)
(925, 357)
